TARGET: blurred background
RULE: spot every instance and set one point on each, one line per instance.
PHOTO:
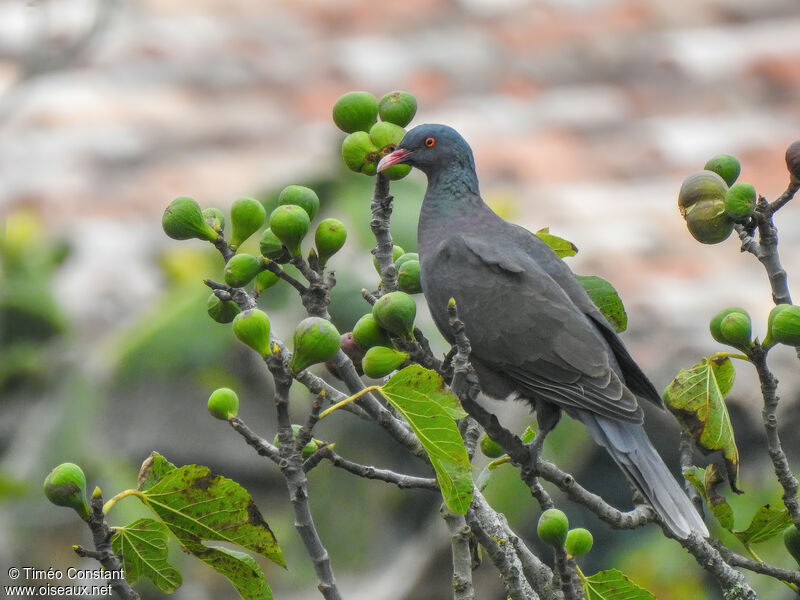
(584, 116)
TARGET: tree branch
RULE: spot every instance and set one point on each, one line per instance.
(381, 207)
(462, 557)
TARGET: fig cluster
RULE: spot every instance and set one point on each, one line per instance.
(712, 202)
(370, 139)
(553, 528)
(408, 270)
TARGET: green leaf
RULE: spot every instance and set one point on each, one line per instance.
(240, 568)
(560, 246)
(430, 409)
(768, 522)
(143, 547)
(153, 468)
(613, 585)
(696, 397)
(527, 435)
(606, 299)
(719, 506)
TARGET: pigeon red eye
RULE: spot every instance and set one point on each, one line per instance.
(430, 142)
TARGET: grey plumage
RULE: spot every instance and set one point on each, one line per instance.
(534, 330)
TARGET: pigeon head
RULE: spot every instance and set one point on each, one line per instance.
(431, 148)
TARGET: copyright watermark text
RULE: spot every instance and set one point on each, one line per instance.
(31, 582)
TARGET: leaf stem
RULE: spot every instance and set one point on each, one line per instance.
(348, 400)
(110, 504)
(718, 355)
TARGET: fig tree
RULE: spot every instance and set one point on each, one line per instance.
(241, 268)
(552, 527)
(726, 166)
(315, 340)
(247, 217)
(301, 196)
(329, 238)
(222, 311)
(397, 107)
(252, 329)
(290, 223)
(395, 312)
(223, 404)
(66, 486)
(183, 220)
(355, 111)
(379, 361)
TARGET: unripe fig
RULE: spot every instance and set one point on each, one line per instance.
(222, 311)
(404, 257)
(408, 277)
(579, 541)
(355, 111)
(247, 217)
(707, 221)
(183, 220)
(215, 218)
(223, 404)
(241, 269)
(397, 252)
(385, 136)
(290, 224)
(490, 448)
(732, 326)
(379, 361)
(395, 312)
(301, 196)
(315, 340)
(309, 449)
(367, 333)
(552, 527)
(398, 108)
(740, 201)
(265, 280)
(793, 161)
(66, 486)
(273, 248)
(329, 238)
(783, 325)
(700, 186)
(359, 153)
(791, 539)
(726, 166)
(252, 328)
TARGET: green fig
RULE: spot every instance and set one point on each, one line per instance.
(740, 201)
(272, 248)
(408, 277)
(395, 312)
(315, 340)
(222, 311)
(552, 527)
(700, 186)
(329, 238)
(707, 221)
(579, 541)
(791, 539)
(265, 280)
(241, 269)
(404, 257)
(385, 136)
(66, 486)
(783, 325)
(367, 333)
(247, 217)
(359, 153)
(355, 111)
(309, 449)
(397, 107)
(252, 329)
(726, 166)
(397, 252)
(183, 220)
(290, 224)
(301, 196)
(490, 448)
(215, 218)
(379, 361)
(223, 404)
(793, 161)
(732, 326)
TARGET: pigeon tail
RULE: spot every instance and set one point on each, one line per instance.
(631, 449)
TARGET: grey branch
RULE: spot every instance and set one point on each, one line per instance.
(381, 208)
(401, 480)
(732, 583)
(737, 560)
(101, 536)
(259, 444)
(462, 557)
(687, 460)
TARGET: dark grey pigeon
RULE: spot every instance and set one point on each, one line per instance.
(534, 331)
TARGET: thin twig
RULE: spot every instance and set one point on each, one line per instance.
(462, 557)
(381, 207)
(401, 480)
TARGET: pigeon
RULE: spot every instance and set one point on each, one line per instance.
(535, 333)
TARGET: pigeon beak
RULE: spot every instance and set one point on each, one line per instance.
(395, 158)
